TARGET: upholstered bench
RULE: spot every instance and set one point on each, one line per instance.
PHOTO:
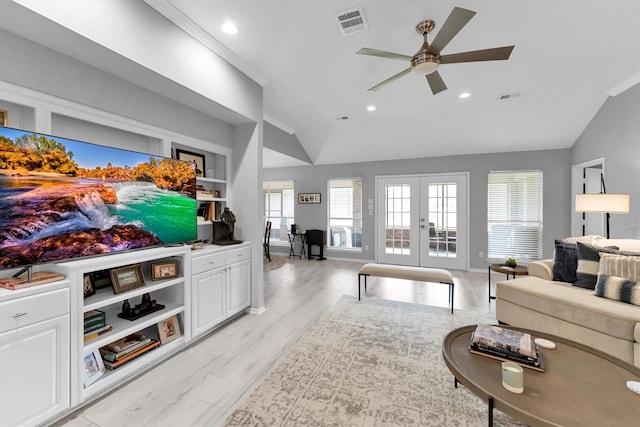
(420, 274)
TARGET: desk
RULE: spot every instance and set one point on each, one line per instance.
(292, 241)
(518, 270)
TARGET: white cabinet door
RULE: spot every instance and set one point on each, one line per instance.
(239, 287)
(34, 372)
(208, 300)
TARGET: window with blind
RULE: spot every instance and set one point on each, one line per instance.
(279, 208)
(345, 213)
(514, 214)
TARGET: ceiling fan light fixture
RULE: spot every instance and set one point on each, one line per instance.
(423, 63)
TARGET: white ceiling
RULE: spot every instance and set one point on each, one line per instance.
(568, 57)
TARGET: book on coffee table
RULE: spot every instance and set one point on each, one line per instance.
(507, 345)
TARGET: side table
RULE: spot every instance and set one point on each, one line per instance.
(518, 270)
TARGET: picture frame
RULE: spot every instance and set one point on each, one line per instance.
(164, 270)
(194, 158)
(4, 118)
(309, 198)
(88, 285)
(93, 367)
(169, 329)
(124, 279)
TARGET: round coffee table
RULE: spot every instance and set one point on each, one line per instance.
(519, 270)
(580, 385)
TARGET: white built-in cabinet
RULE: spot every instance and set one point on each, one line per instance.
(42, 346)
(221, 285)
(34, 354)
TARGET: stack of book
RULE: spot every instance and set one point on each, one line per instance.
(210, 211)
(94, 319)
(126, 349)
(507, 345)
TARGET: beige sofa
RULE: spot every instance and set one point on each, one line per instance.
(537, 302)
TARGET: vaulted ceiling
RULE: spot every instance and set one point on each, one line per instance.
(569, 56)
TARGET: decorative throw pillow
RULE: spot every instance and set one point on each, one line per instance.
(565, 262)
(621, 264)
(588, 264)
(618, 288)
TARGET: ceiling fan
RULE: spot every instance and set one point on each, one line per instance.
(427, 59)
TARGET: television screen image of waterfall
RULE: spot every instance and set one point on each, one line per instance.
(83, 199)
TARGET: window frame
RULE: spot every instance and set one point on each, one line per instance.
(354, 232)
(277, 229)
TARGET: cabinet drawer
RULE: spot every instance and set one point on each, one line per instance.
(33, 309)
(207, 262)
(239, 254)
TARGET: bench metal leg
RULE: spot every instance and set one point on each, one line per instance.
(365, 284)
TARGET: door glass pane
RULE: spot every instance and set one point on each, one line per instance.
(397, 240)
(442, 219)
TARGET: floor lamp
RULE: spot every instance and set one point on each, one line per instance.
(603, 202)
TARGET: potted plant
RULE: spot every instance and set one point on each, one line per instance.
(510, 263)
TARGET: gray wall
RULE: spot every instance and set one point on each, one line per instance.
(555, 165)
(614, 133)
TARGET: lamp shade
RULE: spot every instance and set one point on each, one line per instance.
(603, 202)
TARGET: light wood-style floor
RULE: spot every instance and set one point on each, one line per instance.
(203, 384)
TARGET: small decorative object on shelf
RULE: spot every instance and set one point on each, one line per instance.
(146, 306)
(127, 278)
(93, 367)
(223, 229)
(169, 329)
(511, 263)
(164, 270)
(88, 285)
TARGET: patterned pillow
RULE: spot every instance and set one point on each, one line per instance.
(621, 264)
(565, 262)
(588, 264)
(618, 288)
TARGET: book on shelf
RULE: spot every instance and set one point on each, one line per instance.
(210, 211)
(127, 344)
(131, 356)
(95, 334)
(507, 345)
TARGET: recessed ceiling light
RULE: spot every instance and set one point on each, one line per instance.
(230, 28)
(371, 108)
(464, 95)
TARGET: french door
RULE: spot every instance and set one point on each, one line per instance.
(422, 220)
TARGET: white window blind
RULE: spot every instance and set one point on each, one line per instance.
(514, 214)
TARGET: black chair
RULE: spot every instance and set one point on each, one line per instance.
(315, 238)
(267, 237)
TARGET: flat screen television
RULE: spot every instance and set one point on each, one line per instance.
(62, 199)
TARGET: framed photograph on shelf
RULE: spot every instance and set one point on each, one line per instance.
(127, 278)
(93, 367)
(164, 270)
(88, 285)
(195, 158)
(169, 329)
(4, 120)
(309, 198)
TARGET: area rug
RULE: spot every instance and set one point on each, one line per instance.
(369, 363)
(275, 263)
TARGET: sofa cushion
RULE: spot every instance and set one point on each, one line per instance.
(588, 264)
(618, 289)
(565, 261)
(621, 264)
(572, 304)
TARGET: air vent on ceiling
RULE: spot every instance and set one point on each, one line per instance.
(509, 96)
(351, 21)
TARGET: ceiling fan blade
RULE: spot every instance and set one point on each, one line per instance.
(454, 23)
(390, 79)
(383, 54)
(436, 83)
(494, 54)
